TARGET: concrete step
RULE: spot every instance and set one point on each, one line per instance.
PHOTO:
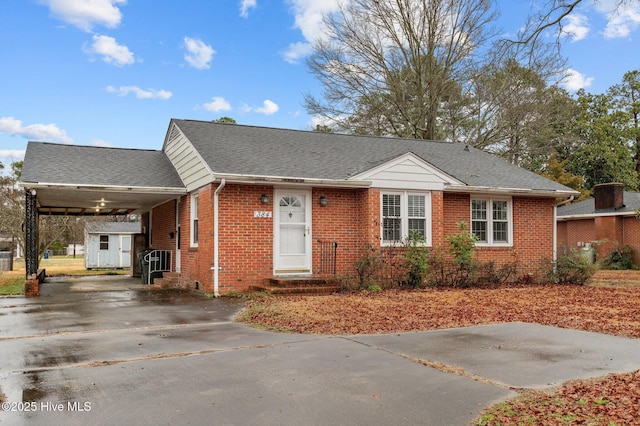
(283, 286)
(297, 291)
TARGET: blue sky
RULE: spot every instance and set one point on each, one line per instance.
(114, 72)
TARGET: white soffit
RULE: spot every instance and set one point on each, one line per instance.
(407, 172)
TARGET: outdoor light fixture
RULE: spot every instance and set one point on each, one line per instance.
(264, 199)
(324, 201)
(172, 234)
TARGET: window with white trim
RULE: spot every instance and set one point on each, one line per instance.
(491, 221)
(405, 213)
(194, 220)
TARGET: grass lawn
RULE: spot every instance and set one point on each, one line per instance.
(12, 282)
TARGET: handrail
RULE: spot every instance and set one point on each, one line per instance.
(158, 261)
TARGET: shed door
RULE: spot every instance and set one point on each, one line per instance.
(125, 251)
(292, 239)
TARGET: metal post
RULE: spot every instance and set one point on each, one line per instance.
(31, 232)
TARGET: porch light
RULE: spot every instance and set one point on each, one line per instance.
(264, 199)
(324, 201)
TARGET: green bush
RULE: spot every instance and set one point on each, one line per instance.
(619, 259)
(572, 269)
(416, 260)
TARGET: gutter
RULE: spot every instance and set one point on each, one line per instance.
(510, 191)
(106, 188)
(216, 254)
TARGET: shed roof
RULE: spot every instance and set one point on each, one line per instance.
(262, 151)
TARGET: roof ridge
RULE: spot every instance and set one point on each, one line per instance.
(94, 146)
(322, 133)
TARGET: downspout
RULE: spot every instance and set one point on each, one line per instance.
(555, 227)
(216, 257)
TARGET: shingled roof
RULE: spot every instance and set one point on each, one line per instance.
(587, 208)
(98, 166)
(262, 151)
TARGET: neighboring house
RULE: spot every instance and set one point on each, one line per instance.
(604, 222)
(239, 204)
(109, 244)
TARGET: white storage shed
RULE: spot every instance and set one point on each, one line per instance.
(108, 244)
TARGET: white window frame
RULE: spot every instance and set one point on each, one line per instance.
(404, 216)
(490, 221)
(194, 228)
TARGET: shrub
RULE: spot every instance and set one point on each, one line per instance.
(620, 259)
(416, 260)
(367, 267)
(572, 268)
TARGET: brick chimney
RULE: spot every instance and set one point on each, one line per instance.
(608, 196)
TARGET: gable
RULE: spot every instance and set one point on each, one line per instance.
(191, 168)
(407, 172)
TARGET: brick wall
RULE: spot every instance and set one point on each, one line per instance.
(163, 223)
(532, 230)
(352, 219)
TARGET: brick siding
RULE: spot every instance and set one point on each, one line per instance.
(352, 219)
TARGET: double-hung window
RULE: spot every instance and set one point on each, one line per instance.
(194, 220)
(405, 214)
(491, 221)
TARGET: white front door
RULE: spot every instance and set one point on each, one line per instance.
(292, 233)
(125, 251)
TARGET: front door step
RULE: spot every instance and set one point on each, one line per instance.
(283, 286)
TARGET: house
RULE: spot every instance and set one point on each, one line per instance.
(109, 244)
(239, 204)
(604, 222)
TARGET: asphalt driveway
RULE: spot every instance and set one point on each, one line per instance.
(111, 351)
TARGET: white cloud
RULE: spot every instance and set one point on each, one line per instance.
(199, 54)
(217, 104)
(575, 26)
(84, 14)
(110, 50)
(622, 19)
(102, 143)
(140, 93)
(308, 19)
(574, 80)
(296, 51)
(245, 5)
(268, 107)
(38, 132)
(8, 156)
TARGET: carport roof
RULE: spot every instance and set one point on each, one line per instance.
(74, 179)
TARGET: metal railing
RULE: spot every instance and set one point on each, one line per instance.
(328, 256)
(157, 261)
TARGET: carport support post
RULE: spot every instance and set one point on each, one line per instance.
(31, 233)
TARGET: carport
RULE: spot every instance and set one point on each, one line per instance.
(78, 180)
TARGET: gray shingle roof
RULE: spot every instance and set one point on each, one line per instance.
(261, 151)
(587, 207)
(113, 227)
(89, 165)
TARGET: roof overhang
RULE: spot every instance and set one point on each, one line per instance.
(522, 192)
(594, 215)
(291, 181)
(73, 199)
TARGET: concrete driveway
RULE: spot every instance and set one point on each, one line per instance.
(110, 351)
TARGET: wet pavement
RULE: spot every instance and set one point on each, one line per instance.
(111, 351)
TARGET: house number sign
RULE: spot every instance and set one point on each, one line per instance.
(262, 214)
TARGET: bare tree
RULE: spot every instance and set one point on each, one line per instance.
(550, 16)
(388, 66)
